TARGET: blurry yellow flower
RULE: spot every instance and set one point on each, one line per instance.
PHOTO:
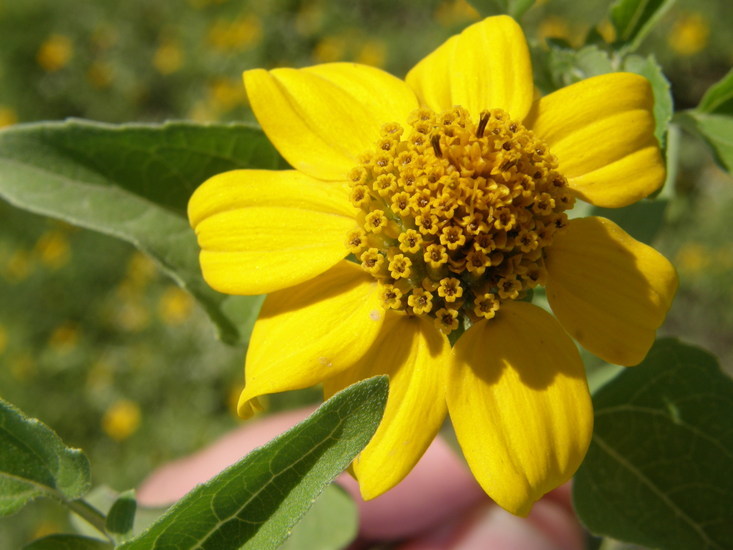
(122, 419)
(65, 337)
(141, 270)
(451, 188)
(175, 305)
(225, 94)
(23, 367)
(100, 75)
(553, 26)
(373, 52)
(7, 116)
(607, 31)
(168, 57)
(19, 266)
(329, 49)
(202, 111)
(693, 258)
(689, 35)
(309, 19)
(455, 12)
(54, 53)
(3, 339)
(52, 249)
(131, 315)
(237, 35)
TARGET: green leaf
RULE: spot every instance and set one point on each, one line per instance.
(716, 130)
(633, 19)
(121, 516)
(331, 524)
(514, 8)
(719, 97)
(257, 501)
(663, 103)
(132, 182)
(568, 66)
(658, 471)
(35, 462)
(67, 542)
(642, 220)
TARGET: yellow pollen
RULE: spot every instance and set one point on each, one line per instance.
(456, 213)
(421, 301)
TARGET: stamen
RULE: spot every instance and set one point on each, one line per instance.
(391, 297)
(435, 142)
(483, 121)
(454, 229)
(421, 301)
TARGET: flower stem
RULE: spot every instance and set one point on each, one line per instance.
(89, 513)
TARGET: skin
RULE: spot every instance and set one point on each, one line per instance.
(438, 506)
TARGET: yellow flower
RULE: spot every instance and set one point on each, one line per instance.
(55, 53)
(65, 337)
(175, 305)
(372, 52)
(689, 35)
(3, 339)
(122, 419)
(7, 116)
(52, 249)
(461, 153)
(168, 57)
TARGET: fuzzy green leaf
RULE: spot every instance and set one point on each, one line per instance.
(719, 97)
(132, 182)
(568, 66)
(331, 524)
(35, 462)
(633, 19)
(663, 105)
(658, 469)
(257, 501)
(717, 132)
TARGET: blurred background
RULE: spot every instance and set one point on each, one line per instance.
(102, 347)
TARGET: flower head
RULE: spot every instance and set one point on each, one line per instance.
(449, 193)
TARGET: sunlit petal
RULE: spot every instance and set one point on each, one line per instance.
(487, 66)
(415, 356)
(311, 332)
(261, 231)
(608, 290)
(322, 118)
(602, 132)
(520, 405)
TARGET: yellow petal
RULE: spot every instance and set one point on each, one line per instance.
(261, 230)
(602, 132)
(311, 332)
(487, 66)
(519, 402)
(415, 356)
(321, 118)
(608, 290)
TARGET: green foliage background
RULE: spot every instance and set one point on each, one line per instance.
(100, 345)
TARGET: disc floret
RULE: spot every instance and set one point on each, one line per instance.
(456, 214)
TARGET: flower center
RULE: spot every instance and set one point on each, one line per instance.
(456, 214)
